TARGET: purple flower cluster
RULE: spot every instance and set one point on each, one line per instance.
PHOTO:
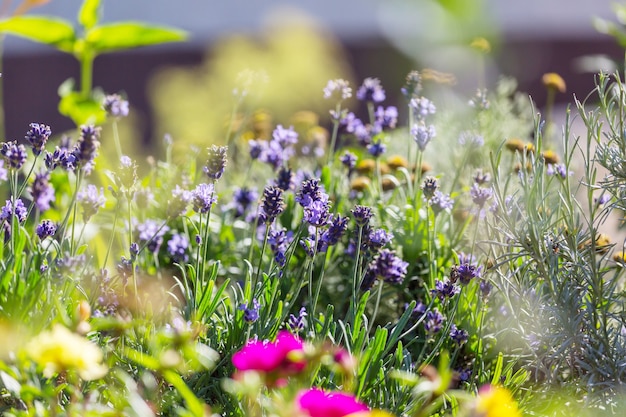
(38, 136)
(42, 192)
(471, 139)
(466, 270)
(250, 314)
(177, 247)
(421, 108)
(90, 201)
(86, 148)
(422, 134)
(15, 155)
(440, 202)
(458, 336)
(445, 289)
(272, 204)
(284, 179)
(386, 118)
(362, 215)
(203, 197)
(371, 90)
(338, 90)
(277, 151)
(46, 228)
(216, 162)
(115, 106)
(242, 200)
(385, 266)
(376, 148)
(279, 241)
(14, 208)
(559, 170)
(151, 234)
(296, 324)
(480, 195)
(348, 159)
(62, 157)
(429, 186)
(434, 321)
(377, 238)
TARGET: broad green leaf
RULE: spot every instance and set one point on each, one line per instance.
(54, 32)
(127, 35)
(88, 14)
(82, 110)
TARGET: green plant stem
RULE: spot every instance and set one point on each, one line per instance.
(375, 313)
(333, 138)
(355, 274)
(86, 73)
(258, 273)
(110, 245)
(116, 139)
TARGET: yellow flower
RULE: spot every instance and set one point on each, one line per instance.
(397, 161)
(514, 144)
(554, 81)
(550, 157)
(360, 184)
(60, 350)
(494, 401)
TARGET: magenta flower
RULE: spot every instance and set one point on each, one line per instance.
(317, 403)
(281, 356)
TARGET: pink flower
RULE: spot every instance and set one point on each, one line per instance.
(283, 356)
(317, 403)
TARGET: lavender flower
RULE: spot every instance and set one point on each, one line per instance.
(177, 247)
(296, 324)
(362, 215)
(445, 289)
(348, 160)
(434, 321)
(4, 174)
(422, 134)
(337, 227)
(603, 199)
(558, 169)
(60, 157)
(203, 197)
(337, 89)
(42, 191)
(465, 273)
(10, 209)
(310, 191)
(115, 106)
(371, 90)
(257, 148)
(250, 315)
(480, 195)
(37, 136)
(284, 179)
(86, 148)
(242, 200)
(485, 288)
(14, 154)
(440, 202)
(285, 137)
(279, 241)
(272, 205)
(480, 101)
(216, 162)
(378, 238)
(458, 336)
(90, 201)
(386, 118)
(386, 266)
(45, 229)
(376, 149)
(429, 186)
(422, 107)
(481, 177)
(151, 234)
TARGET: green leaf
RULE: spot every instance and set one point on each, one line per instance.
(127, 35)
(54, 32)
(82, 110)
(88, 14)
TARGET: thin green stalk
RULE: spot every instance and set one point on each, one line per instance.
(378, 298)
(333, 139)
(110, 245)
(116, 139)
(86, 73)
(258, 273)
(355, 273)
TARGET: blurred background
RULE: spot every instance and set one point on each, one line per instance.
(186, 88)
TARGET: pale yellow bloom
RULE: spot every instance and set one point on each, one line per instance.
(60, 350)
(494, 401)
